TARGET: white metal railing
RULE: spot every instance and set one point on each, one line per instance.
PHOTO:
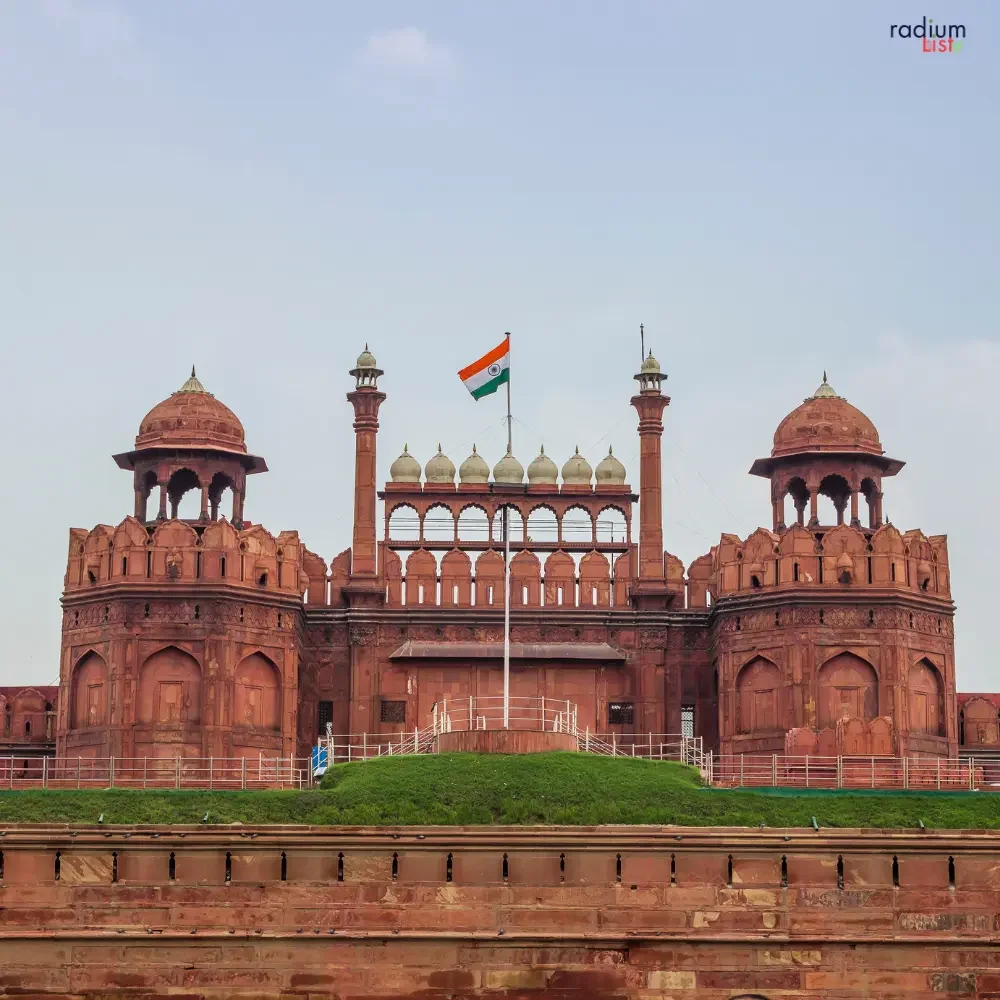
(155, 772)
(780, 770)
(544, 714)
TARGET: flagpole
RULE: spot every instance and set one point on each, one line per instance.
(506, 564)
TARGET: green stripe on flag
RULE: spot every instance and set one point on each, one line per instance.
(490, 387)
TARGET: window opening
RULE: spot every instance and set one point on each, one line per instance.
(620, 713)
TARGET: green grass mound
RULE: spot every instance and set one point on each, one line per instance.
(572, 789)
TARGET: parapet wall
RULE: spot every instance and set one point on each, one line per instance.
(436, 912)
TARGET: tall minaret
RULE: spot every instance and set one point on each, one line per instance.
(366, 399)
(650, 591)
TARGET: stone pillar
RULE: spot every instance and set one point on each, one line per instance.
(239, 497)
(366, 399)
(855, 523)
(162, 513)
(204, 503)
(650, 591)
(878, 510)
(778, 515)
(813, 507)
(140, 505)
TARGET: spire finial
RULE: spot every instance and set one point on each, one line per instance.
(824, 374)
(366, 345)
(474, 452)
(192, 372)
(439, 447)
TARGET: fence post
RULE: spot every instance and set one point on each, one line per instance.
(807, 770)
(906, 772)
(471, 707)
(12, 771)
(177, 774)
(741, 770)
(243, 773)
(939, 773)
(614, 745)
(873, 772)
(416, 740)
(586, 739)
(774, 770)
(364, 746)
(840, 771)
(972, 779)
(143, 772)
(434, 719)
(111, 772)
(209, 773)
(79, 762)
(45, 772)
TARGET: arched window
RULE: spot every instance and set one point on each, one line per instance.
(847, 689)
(926, 700)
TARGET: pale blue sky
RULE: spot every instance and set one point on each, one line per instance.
(773, 189)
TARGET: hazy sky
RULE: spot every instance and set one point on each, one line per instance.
(260, 188)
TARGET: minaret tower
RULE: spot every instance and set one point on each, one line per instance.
(650, 591)
(366, 399)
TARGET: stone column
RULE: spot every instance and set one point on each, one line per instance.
(162, 514)
(140, 505)
(366, 400)
(651, 589)
(855, 523)
(878, 509)
(813, 507)
(778, 515)
(239, 497)
(204, 503)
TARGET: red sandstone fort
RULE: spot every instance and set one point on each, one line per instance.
(214, 637)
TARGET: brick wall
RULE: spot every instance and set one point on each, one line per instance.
(667, 912)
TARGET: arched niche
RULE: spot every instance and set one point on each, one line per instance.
(847, 688)
(183, 489)
(981, 723)
(170, 689)
(758, 697)
(926, 700)
(257, 698)
(489, 579)
(89, 692)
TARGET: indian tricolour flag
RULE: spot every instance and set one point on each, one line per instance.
(490, 372)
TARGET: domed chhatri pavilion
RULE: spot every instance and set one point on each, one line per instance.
(828, 634)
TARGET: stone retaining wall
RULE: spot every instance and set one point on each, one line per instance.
(554, 912)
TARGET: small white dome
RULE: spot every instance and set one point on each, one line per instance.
(508, 470)
(542, 471)
(610, 471)
(650, 366)
(577, 470)
(474, 469)
(406, 469)
(366, 359)
(439, 468)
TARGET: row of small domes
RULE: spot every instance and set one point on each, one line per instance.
(542, 471)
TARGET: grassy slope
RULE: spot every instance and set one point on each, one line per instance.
(559, 788)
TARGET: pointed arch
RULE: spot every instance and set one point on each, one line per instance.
(439, 524)
(577, 525)
(169, 688)
(456, 579)
(595, 581)
(847, 688)
(560, 580)
(926, 699)
(758, 696)
(525, 579)
(257, 695)
(473, 523)
(489, 579)
(88, 706)
(421, 578)
(403, 523)
(612, 525)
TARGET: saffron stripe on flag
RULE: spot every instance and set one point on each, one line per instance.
(485, 361)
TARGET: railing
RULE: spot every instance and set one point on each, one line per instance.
(792, 771)
(551, 715)
(651, 746)
(155, 772)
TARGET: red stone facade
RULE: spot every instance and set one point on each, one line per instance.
(215, 637)
(437, 913)
(28, 721)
